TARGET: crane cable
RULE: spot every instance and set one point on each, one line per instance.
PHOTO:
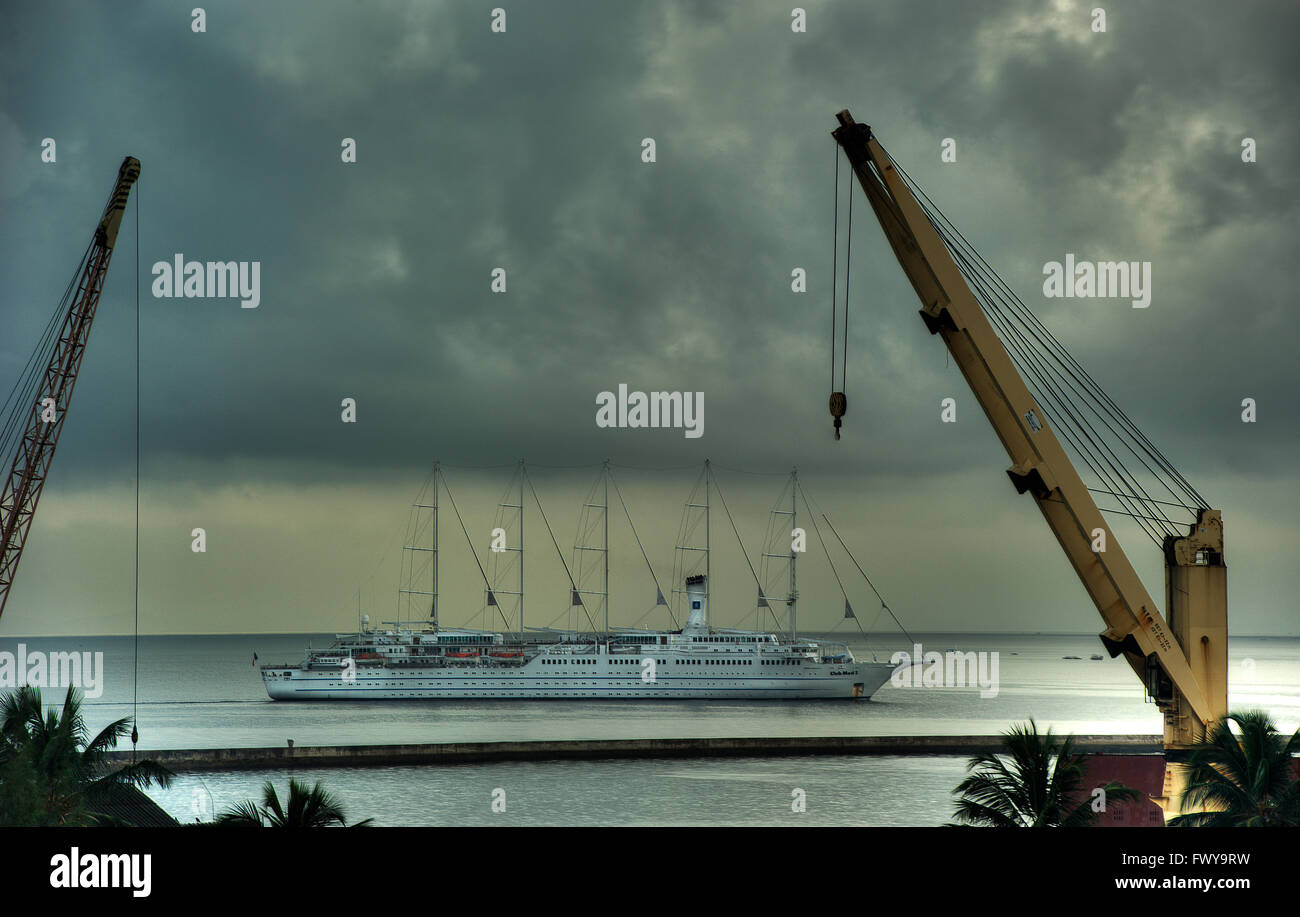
(27, 386)
(1063, 385)
(838, 402)
(1059, 382)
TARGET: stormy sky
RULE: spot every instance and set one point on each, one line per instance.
(522, 150)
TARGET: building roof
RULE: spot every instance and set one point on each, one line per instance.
(129, 804)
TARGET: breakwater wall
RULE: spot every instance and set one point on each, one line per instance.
(314, 756)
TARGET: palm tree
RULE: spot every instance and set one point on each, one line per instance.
(1248, 780)
(1029, 784)
(51, 769)
(313, 807)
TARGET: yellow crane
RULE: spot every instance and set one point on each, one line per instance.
(1181, 656)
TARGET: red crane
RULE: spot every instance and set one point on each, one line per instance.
(47, 411)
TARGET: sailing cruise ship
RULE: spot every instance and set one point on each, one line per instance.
(427, 661)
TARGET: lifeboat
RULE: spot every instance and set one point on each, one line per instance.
(462, 655)
(506, 655)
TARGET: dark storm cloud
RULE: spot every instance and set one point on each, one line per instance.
(522, 151)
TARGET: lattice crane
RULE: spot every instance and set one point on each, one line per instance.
(41, 409)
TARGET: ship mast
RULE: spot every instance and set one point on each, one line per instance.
(521, 550)
(584, 528)
(790, 557)
(605, 512)
(409, 571)
(794, 595)
(708, 579)
(433, 607)
(493, 592)
(688, 525)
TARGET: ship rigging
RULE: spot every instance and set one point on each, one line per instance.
(419, 657)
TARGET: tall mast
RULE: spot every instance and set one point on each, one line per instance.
(708, 580)
(583, 571)
(409, 572)
(494, 592)
(788, 556)
(794, 555)
(521, 550)
(606, 513)
(433, 609)
(689, 523)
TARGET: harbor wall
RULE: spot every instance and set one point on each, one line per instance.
(315, 756)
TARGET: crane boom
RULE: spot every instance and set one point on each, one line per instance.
(30, 465)
(1190, 687)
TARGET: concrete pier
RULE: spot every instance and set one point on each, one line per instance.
(308, 756)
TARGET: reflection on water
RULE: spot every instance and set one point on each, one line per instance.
(205, 692)
(735, 791)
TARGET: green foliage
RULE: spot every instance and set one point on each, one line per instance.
(1246, 780)
(308, 807)
(50, 764)
(1029, 784)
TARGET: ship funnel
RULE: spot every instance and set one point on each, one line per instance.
(697, 594)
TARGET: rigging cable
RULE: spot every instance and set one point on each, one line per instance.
(848, 609)
(469, 541)
(949, 233)
(659, 593)
(1040, 369)
(1065, 388)
(739, 542)
(572, 585)
(883, 603)
(27, 386)
(812, 512)
(135, 651)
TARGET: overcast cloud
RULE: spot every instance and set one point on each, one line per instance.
(522, 151)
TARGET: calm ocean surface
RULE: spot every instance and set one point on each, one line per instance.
(204, 692)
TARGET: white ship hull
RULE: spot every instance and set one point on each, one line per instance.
(599, 680)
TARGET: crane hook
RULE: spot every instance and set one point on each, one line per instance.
(839, 405)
